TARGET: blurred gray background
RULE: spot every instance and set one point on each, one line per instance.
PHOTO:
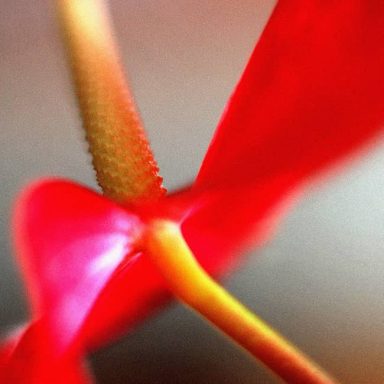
(319, 280)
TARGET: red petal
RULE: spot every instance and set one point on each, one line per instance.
(27, 358)
(311, 93)
(134, 292)
(74, 248)
(70, 241)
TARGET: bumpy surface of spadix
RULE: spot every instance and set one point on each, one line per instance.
(122, 158)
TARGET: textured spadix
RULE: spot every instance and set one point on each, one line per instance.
(122, 158)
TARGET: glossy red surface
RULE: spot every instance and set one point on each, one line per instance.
(310, 95)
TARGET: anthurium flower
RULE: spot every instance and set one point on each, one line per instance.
(310, 95)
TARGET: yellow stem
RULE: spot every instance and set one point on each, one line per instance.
(167, 249)
(125, 167)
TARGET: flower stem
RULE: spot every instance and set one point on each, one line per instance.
(168, 250)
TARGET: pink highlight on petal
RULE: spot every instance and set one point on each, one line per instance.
(70, 242)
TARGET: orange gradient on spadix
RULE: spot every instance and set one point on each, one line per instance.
(121, 155)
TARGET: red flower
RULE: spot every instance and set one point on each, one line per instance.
(310, 95)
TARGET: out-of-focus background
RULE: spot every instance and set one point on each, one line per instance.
(319, 280)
